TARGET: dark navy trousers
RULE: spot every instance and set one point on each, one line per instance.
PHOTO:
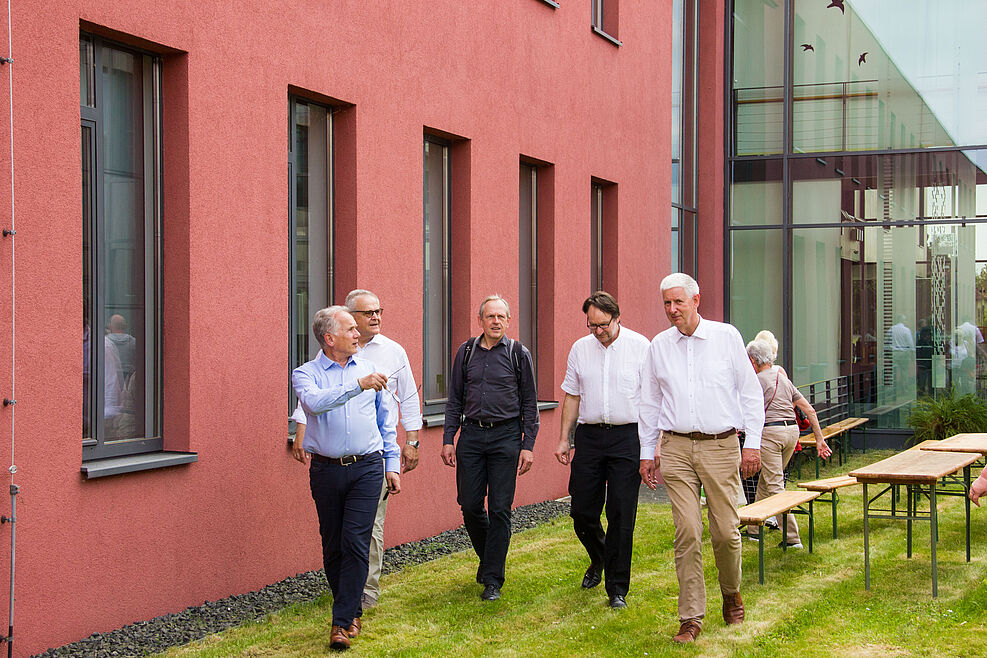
(346, 501)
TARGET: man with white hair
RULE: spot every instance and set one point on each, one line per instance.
(351, 445)
(390, 358)
(697, 391)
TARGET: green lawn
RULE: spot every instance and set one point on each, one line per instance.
(810, 605)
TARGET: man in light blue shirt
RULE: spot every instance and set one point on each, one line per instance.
(347, 437)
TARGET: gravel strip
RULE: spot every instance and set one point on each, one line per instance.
(148, 637)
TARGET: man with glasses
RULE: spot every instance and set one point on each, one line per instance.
(350, 444)
(492, 398)
(389, 358)
(602, 390)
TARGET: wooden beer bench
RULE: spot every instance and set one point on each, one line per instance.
(829, 486)
(781, 503)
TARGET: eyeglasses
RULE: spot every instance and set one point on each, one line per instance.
(371, 313)
(597, 327)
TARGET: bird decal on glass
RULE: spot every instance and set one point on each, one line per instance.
(838, 4)
(807, 46)
(863, 58)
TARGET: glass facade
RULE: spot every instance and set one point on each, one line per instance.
(684, 71)
(857, 216)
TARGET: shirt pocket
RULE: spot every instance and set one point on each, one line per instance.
(629, 381)
(720, 374)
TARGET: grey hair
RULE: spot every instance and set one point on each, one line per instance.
(680, 280)
(325, 322)
(359, 292)
(769, 338)
(491, 298)
(760, 353)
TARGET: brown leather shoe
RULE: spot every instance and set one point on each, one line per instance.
(688, 631)
(339, 639)
(733, 608)
(355, 627)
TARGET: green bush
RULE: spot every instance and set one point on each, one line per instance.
(945, 415)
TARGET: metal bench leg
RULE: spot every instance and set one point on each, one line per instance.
(912, 507)
(866, 540)
(811, 529)
(760, 554)
(935, 539)
(835, 500)
(966, 499)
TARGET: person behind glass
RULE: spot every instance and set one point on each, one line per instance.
(781, 431)
(493, 405)
(390, 358)
(602, 389)
(347, 435)
(697, 391)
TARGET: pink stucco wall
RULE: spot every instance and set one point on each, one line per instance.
(514, 78)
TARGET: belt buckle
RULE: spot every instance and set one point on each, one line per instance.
(484, 425)
(347, 460)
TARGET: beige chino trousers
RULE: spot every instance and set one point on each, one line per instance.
(685, 465)
(372, 588)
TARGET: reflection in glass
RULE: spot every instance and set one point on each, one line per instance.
(757, 300)
(756, 195)
(436, 281)
(758, 76)
(886, 76)
(596, 237)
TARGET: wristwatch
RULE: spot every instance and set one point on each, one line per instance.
(413, 443)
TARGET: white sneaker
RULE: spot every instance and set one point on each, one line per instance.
(796, 545)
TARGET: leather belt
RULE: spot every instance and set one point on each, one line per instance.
(610, 426)
(342, 461)
(488, 424)
(699, 436)
(780, 423)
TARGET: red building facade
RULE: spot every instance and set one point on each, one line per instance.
(550, 127)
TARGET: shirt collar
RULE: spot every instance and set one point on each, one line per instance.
(328, 363)
(702, 330)
(502, 341)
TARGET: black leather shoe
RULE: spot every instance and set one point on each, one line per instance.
(490, 593)
(617, 602)
(593, 577)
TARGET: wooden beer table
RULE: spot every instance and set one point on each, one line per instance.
(920, 472)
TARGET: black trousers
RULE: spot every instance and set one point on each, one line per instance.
(346, 501)
(486, 467)
(605, 468)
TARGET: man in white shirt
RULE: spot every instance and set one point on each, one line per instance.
(391, 359)
(697, 390)
(602, 389)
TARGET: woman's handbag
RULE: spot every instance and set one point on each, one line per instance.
(802, 420)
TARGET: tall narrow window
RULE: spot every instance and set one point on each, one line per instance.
(684, 245)
(605, 13)
(596, 237)
(120, 92)
(310, 161)
(436, 188)
(527, 316)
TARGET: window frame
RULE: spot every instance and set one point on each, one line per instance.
(436, 405)
(97, 445)
(529, 313)
(293, 358)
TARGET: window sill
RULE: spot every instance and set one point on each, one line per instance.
(97, 468)
(551, 3)
(437, 420)
(600, 33)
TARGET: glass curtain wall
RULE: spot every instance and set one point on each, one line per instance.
(857, 216)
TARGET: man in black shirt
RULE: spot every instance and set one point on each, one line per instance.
(492, 398)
